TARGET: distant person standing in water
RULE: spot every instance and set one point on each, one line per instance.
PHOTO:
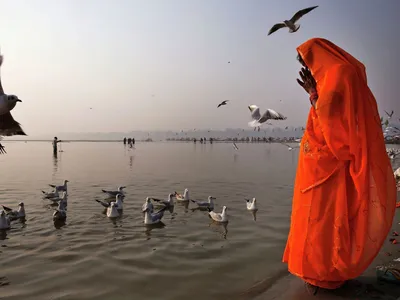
(133, 141)
(129, 141)
(55, 142)
(125, 141)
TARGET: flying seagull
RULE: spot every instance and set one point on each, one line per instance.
(389, 115)
(291, 24)
(258, 120)
(8, 126)
(223, 103)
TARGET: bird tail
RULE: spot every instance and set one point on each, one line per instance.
(157, 200)
(194, 201)
(104, 191)
(52, 185)
(210, 209)
(43, 192)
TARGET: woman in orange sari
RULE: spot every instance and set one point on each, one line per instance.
(345, 192)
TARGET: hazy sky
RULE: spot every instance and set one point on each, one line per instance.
(63, 57)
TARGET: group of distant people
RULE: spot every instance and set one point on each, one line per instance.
(131, 141)
(203, 140)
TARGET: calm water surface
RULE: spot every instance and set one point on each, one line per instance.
(92, 257)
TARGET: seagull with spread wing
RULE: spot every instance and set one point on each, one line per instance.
(389, 115)
(291, 24)
(258, 120)
(8, 126)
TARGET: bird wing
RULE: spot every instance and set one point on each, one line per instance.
(158, 215)
(271, 115)
(1, 87)
(105, 204)
(287, 145)
(7, 209)
(215, 216)
(157, 200)
(10, 127)
(219, 105)
(301, 13)
(276, 27)
(387, 114)
(2, 149)
(255, 113)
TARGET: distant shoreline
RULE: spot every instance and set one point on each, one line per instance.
(175, 141)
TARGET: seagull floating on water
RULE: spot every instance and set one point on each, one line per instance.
(118, 202)
(291, 24)
(169, 202)
(148, 205)
(225, 102)
(185, 196)
(60, 188)
(114, 193)
(8, 126)
(15, 214)
(219, 217)
(153, 217)
(59, 214)
(205, 204)
(258, 120)
(112, 211)
(251, 204)
(4, 221)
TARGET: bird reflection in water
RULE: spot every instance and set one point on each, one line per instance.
(3, 234)
(221, 228)
(58, 224)
(131, 161)
(149, 228)
(55, 162)
(235, 157)
(254, 213)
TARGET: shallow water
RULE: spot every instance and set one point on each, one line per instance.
(92, 257)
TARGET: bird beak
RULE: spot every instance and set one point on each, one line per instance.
(249, 107)
(19, 100)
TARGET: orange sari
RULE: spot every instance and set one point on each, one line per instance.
(345, 192)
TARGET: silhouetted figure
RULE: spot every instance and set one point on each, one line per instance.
(194, 140)
(125, 141)
(129, 140)
(201, 140)
(204, 140)
(55, 142)
(211, 140)
(133, 141)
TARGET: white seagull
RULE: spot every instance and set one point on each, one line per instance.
(8, 126)
(205, 204)
(291, 24)
(60, 214)
(258, 120)
(153, 217)
(118, 202)
(219, 217)
(397, 174)
(60, 188)
(169, 202)
(251, 204)
(112, 211)
(15, 214)
(114, 193)
(148, 205)
(4, 221)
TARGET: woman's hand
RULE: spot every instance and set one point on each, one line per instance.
(307, 81)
